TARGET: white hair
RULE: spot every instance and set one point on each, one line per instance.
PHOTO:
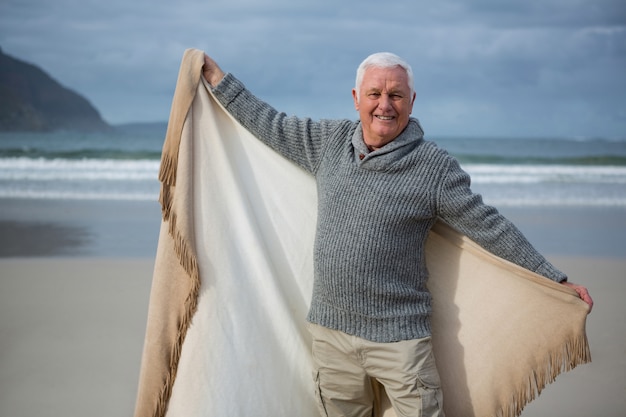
(382, 60)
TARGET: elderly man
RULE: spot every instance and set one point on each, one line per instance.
(381, 187)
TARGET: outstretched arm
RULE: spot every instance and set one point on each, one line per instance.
(301, 140)
(465, 211)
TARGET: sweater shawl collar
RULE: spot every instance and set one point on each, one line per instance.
(381, 159)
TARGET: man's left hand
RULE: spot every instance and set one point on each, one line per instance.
(583, 293)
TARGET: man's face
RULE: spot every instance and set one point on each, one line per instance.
(384, 104)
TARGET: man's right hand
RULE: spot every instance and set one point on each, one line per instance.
(211, 71)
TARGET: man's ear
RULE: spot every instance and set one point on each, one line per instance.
(356, 100)
(413, 101)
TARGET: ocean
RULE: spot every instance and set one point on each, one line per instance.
(123, 165)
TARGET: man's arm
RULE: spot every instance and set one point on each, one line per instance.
(466, 211)
(299, 139)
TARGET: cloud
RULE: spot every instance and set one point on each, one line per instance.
(484, 67)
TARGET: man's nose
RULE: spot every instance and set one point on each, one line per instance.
(384, 103)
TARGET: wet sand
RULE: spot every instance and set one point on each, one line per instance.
(75, 282)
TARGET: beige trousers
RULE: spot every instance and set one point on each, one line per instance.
(345, 365)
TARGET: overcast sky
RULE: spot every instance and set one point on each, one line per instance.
(482, 67)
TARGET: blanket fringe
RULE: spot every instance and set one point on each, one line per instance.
(188, 261)
(575, 352)
(189, 77)
(167, 171)
(166, 198)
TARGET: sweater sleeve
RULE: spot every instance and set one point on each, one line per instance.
(301, 140)
(466, 212)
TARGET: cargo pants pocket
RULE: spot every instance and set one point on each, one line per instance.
(429, 388)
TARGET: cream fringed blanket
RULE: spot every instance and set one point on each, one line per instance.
(226, 331)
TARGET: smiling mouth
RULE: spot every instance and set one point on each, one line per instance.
(384, 117)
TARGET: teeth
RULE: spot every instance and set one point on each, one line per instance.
(385, 117)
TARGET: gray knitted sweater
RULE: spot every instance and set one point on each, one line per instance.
(375, 210)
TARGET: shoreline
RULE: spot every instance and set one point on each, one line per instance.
(110, 228)
(78, 228)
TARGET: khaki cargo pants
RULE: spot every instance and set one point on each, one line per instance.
(345, 365)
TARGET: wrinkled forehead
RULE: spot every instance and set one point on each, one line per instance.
(394, 77)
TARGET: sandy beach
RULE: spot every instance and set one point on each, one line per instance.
(71, 335)
(75, 281)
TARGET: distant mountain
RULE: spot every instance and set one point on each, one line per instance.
(30, 100)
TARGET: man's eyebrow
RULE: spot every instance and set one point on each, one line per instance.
(391, 91)
(396, 92)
